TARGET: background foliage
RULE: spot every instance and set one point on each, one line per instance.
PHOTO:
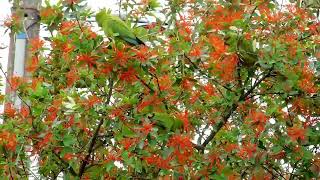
(221, 90)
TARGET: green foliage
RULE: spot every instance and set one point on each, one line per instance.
(223, 90)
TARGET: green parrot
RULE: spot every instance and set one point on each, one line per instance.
(114, 26)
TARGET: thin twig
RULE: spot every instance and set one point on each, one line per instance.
(232, 108)
(203, 73)
(144, 83)
(71, 170)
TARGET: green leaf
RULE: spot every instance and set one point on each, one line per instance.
(126, 131)
(68, 140)
(108, 167)
(167, 121)
(153, 4)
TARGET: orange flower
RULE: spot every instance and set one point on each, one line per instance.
(112, 157)
(36, 44)
(217, 43)
(35, 82)
(33, 64)
(180, 141)
(68, 156)
(93, 100)
(257, 117)
(259, 120)
(186, 84)
(70, 122)
(209, 89)
(215, 160)
(195, 52)
(296, 133)
(151, 25)
(230, 147)
(247, 150)
(164, 82)
(46, 12)
(11, 21)
(53, 110)
(24, 111)
(121, 57)
(128, 142)
(306, 82)
(183, 157)
(72, 77)
(129, 75)
(15, 82)
(90, 33)
(184, 118)
(9, 140)
(184, 28)
(66, 27)
(226, 68)
(223, 17)
(45, 140)
(142, 54)
(107, 69)
(219, 47)
(307, 86)
(88, 59)
(194, 96)
(71, 2)
(158, 161)
(52, 115)
(67, 47)
(153, 100)
(146, 128)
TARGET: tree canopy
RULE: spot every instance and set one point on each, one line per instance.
(220, 90)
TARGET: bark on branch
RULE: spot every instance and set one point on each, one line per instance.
(230, 109)
(95, 135)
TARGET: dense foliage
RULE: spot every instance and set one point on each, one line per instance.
(221, 90)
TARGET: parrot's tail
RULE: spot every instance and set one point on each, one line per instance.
(134, 42)
(140, 42)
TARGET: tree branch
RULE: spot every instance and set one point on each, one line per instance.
(144, 83)
(231, 109)
(95, 135)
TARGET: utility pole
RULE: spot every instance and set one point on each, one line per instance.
(19, 54)
(18, 49)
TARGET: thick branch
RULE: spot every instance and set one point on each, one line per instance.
(95, 135)
(220, 124)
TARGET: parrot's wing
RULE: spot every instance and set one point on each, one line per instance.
(124, 32)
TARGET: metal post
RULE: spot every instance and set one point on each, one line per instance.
(19, 54)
